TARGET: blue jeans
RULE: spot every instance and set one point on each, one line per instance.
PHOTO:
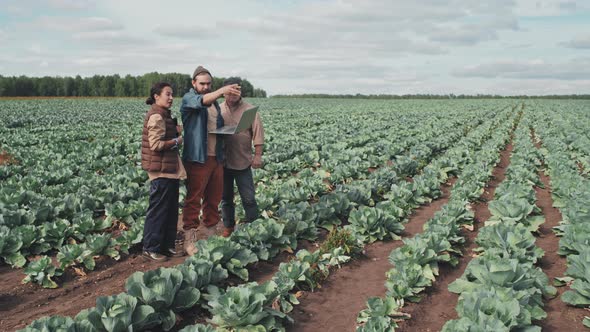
(159, 230)
(245, 182)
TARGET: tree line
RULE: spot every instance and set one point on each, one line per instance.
(430, 96)
(106, 85)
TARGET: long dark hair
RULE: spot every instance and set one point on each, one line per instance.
(156, 90)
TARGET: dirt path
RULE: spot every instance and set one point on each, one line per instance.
(560, 317)
(6, 159)
(21, 304)
(439, 304)
(335, 306)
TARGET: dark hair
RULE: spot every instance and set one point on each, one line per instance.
(232, 80)
(156, 90)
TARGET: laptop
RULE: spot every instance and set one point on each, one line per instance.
(245, 122)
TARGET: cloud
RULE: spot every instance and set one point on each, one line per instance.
(392, 82)
(579, 42)
(569, 6)
(332, 46)
(377, 29)
(99, 32)
(14, 9)
(28, 61)
(390, 26)
(466, 35)
(25, 7)
(68, 24)
(35, 49)
(550, 7)
(109, 38)
(575, 69)
(95, 61)
(136, 60)
(71, 4)
(326, 68)
(187, 31)
(517, 46)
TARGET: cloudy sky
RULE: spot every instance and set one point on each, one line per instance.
(323, 46)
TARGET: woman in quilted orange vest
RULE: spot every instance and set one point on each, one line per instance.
(159, 157)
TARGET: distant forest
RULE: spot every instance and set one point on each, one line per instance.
(431, 96)
(139, 86)
(105, 86)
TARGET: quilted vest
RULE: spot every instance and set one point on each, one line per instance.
(165, 161)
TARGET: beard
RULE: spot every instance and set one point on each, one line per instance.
(203, 91)
(233, 100)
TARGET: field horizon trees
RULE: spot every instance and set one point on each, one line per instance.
(138, 86)
(429, 96)
(105, 85)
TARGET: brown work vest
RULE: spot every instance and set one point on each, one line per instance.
(165, 161)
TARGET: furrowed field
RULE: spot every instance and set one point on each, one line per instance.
(379, 215)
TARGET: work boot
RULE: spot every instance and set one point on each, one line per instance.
(171, 252)
(154, 256)
(190, 238)
(205, 232)
(227, 231)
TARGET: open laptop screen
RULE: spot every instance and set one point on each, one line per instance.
(245, 122)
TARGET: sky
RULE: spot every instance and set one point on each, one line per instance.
(506, 47)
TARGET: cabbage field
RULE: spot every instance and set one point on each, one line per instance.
(377, 215)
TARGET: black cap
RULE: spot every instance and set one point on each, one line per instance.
(232, 80)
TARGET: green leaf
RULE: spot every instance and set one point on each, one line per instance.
(198, 328)
(245, 307)
(579, 295)
(484, 323)
(378, 324)
(199, 272)
(41, 272)
(377, 307)
(156, 288)
(144, 317)
(88, 262)
(52, 323)
(227, 253)
(168, 319)
(185, 299)
(16, 259)
(560, 282)
(119, 313)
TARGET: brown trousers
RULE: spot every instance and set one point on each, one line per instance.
(204, 182)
